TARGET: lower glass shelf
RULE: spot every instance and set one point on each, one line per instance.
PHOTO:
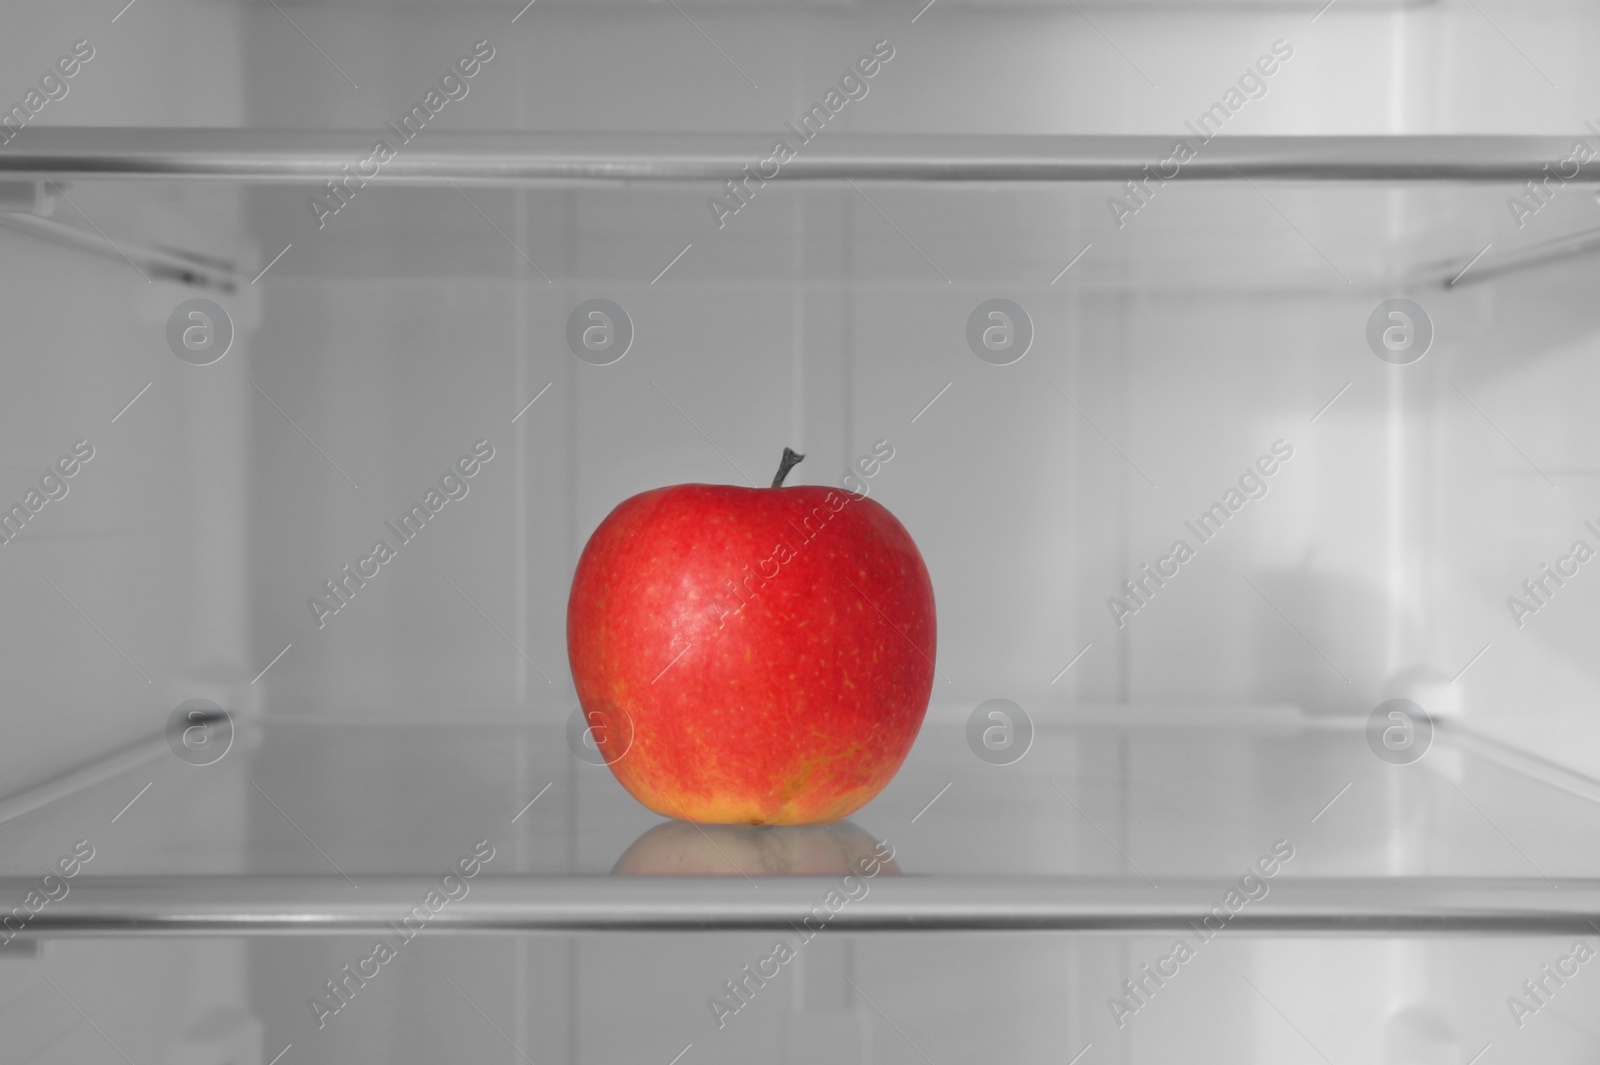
(1142, 885)
(849, 902)
(1117, 819)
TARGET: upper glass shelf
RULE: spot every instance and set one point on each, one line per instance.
(315, 156)
(228, 208)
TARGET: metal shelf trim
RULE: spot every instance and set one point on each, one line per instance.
(438, 156)
(276, 905)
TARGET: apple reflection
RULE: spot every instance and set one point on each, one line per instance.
(678, 848)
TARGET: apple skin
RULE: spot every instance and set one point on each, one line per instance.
(757, 656)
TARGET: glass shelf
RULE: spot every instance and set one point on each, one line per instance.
(1310, 214)
(314, 156)
(1116, 820)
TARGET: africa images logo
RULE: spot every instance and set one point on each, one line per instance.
(1141, 988)
(53, 85)
(744, 985)
(852, 86)
(451, 887)
(1252, 86)
(452, 86)
(342, 587)
(1142, 588)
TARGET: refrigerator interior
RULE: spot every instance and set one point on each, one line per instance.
(1178, 335)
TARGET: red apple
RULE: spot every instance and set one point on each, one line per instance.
(752, 656)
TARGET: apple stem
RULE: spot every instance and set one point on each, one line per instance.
(791, 459)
